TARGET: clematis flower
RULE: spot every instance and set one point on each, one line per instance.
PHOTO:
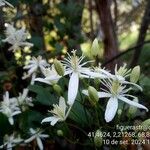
(59, 113)
(23, 99)
(121, 74)
(51, 76)
(9, 107)
(17, 38)
(10, 141)
(115, 91)
(75, 68)
(34, 65)
(3, 3)
(37, 135)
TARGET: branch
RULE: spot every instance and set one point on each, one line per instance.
(124, 52)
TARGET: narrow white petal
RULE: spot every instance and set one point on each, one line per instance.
(132, 102)
(30, 139)
(2, 146)
(44, 135)
(103, 94)
(32, 131)
(62, 104)
(137, 86)
(111, 109)
(73, 88)
(9, 146)
(11, 120)
(16, 113)
(39, 143)
(85, 92)
(43, 80)
(92, 74)
(48, 119)
(53, 78)
(28, 66)
(118, 77)
(53, 120)
(9, 4)
(32, 70)
(67, 72)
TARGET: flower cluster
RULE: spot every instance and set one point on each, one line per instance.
(17, 38)
(9, 107)
(13, 106)
(12, 140)
(115, 88)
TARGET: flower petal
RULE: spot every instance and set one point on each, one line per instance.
(11, 120)
(32, 70)
(85, 92)
(73, 88)
(30, 139)
(131, 83)
(39, 143)
(111, 109)
(103, 94)
(132, 102)
(62, 104)
(92, 74)
(53, 120)
(44, 135)
(43, 80)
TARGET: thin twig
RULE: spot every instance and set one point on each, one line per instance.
(124, 52)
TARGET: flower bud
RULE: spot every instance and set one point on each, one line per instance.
(132, 109)
(146, 125)
(119, 112)
(59, 67)
(98, 139)
(95, 48)
(60, 133)
(57, 89)
(135, 74)
(93, 95)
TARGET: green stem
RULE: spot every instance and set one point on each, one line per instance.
(84, 106)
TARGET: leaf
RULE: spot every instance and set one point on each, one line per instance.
(80, 114)
(43, 95)
(5, 127)
(30, 119)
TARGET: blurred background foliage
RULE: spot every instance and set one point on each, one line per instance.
(58, 26)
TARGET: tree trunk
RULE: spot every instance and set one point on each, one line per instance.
(107, 25)
(142, 34)
(36, 21)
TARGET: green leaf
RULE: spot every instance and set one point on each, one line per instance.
(43, 95)
(5, 127)
(30, 119)
(80, 114)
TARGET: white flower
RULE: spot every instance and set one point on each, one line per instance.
(115, 91)
(51, 76)
(59, 112)
(37, 135)
(3, 3)
(9, 107)
(17, 38)
(34, 65)
(23, 98)
(10, 141)
(75, 68)
(121, 74)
